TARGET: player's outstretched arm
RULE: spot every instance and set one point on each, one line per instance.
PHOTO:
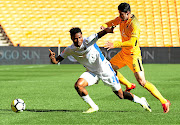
(54, 60)
(111, 23)
(105, 31)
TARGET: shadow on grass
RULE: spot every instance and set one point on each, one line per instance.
(51, 110)
(5, 110)
(63, 110)
(58, 110)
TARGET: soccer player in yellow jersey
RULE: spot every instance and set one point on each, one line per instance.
(130, 53)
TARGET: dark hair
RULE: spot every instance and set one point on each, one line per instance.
(75, 30)
(124, 7)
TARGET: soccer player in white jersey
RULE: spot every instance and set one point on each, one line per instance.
(86, 52)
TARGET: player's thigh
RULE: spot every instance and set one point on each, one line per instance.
(110, 79)
(117, 61)
(134, 63)
(90, 77)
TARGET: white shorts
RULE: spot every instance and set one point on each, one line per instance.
(109, 78)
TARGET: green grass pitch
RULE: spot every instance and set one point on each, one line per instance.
(50, 97)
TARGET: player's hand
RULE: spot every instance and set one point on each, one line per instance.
(102, 28)
(51, 54)
(109, 45)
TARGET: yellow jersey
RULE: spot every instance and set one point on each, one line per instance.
(130, 33)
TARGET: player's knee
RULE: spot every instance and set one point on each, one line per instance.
(76, 86)
(80, 83)
(141, 82)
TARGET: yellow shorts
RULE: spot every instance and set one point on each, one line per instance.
(134, 62)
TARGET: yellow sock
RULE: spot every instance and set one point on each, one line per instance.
(151, 88)
(123, 80)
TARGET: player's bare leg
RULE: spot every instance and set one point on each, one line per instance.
(127, 95)
(140, 77)
(124, 95)
(123, 80)
(80, 88)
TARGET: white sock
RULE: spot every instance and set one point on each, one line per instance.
(138, 100)
(88, 100)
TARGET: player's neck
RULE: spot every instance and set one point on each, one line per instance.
(130, 16)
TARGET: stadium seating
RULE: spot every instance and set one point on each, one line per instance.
(39, 23)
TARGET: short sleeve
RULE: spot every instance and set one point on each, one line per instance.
(114, 22)
(65, 53)
(91, 39)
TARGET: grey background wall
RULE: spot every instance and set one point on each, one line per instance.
(39, 55)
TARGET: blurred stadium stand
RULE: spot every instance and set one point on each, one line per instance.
(45, 23)
(4, 39)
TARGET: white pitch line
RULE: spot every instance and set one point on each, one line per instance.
(38, 66)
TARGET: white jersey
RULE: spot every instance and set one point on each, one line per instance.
(94, 61)
(88, 54)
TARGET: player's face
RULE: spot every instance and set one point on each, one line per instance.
(77, 39)
(123, 15)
